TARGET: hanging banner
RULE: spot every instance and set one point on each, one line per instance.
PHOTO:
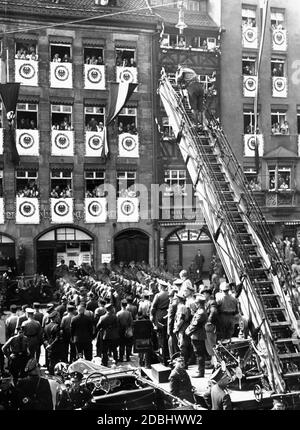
(61, 210)
(94, 77)
(279, 40)
(127, 75)
(1, 141)
(94, 141)
(62, 142)
(249, 145)
(1, 210)
(279, 86)
(27, 210)
(26, 72)
(61, 75)
(95, 209)
(250, 37)
(249, 85)
(128, 209)
(27, 142)
(128, 145)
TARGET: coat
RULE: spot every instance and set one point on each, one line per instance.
(196, 329)
(108, 323)
(82, 328)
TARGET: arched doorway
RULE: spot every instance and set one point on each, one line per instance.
(68, 243)
(181, 246)
(131, 245)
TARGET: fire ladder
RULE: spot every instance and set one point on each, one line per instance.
(241, 237)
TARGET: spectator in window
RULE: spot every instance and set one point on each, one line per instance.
(100, 126)
(119, 61)
(249, 129)
(100, 60)
(194, 42)
(92, 124)
(23, 124)
(282, 185)
(133, 129)
(87, 60)
(181, 42)
(275, 71)
(276, 128)
(132, 63)
(93, 60)
(284, 129)
(66, 58)
(32, 124)
(18, 54)
(120, 128)
(56, 58)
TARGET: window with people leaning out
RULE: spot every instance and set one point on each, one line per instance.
(27, 183)
(93, 56)
(26, 51)
(94, 118)
(279, 123)
(125, 57)
(249, 122)
(249, 66)
(279, 178)
(61, 184)
(127, 121)
(201, 43)
(254, 183)
(61, 117)
(248, 17)
(126, 184)
(60, 53)
(94, 183)
(277, 20)
(27, 116)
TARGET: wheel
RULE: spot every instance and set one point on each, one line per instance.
(97, 381)
(258, 393)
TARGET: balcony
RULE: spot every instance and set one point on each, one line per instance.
(95, 210)
(126, 75)
(2, 210)
(27, 210)
(280, 199)
(279, 40)
(26, 72)
(128, 145)
(94, 141)
(1, 141)
(62, 142)
(249, 37)
(61, 210)
(128, 209)
(94, 77)
(249, 145)
(28, 142)
(279, 86)
(249, 85)
(61, 75)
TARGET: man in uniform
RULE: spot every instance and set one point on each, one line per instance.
(65, 327)
(82, 332)
(33, 330)
(212, 320)
(228, 311)
(182, 319)
(219, 396)
(53, 342)
(16, 349)
(74, 396)
(11, 322)
(180, 382)
(108, 323)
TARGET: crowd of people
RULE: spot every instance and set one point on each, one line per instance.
(63, 125)
(98, 61)
(94, 125)
(26, 52)
(61, 192)
(30, 190)
(129, 128)
(57, 58)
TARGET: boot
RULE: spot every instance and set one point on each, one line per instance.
(200, 371)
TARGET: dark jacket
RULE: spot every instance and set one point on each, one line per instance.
(82, 328)
(108, 323)
(159, 308)
(196, 329)
(220, 399)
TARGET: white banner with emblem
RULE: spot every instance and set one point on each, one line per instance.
(1, 141)
(61, 210)
(279, 86)
(249, 37)
(27, 210)
(61, 75)
(94, 141)
(94, 77)
(26, 72)
(249, 145)
(279, 40)
(95, 209)
(249, 85)
(128, 209)
(127, 75)
(1, 210)
(128, 145)
(62, 142)
(27, 142)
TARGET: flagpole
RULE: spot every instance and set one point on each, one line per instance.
(7, 66)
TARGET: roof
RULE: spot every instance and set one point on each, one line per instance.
(132, 10)
(281, 152)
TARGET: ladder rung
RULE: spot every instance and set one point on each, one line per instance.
(287, 340)
(289, 355)
(291, 375)
(275, 309)
(279, 323)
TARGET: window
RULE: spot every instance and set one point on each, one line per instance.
(127, 120)
(126, 184)
(279, 178)
(60, 53)
(61, 117)
(94, 181)
(279, 122)
(167, 129)
(26, 51)
(249, 66)
(93, 56)
(248, 17)
(94, 118)
(27, 116)
(204, 79)
(277, 19)
(277, 67)
(253, 179)
(249, 122)
(61, 183)
(175, 181)
(1, 183)
(27, 183)
(125, 57)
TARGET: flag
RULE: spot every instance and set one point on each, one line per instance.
(9, 94)
(161, 34)
(256, 155)
(119, 94)
(105, 149)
